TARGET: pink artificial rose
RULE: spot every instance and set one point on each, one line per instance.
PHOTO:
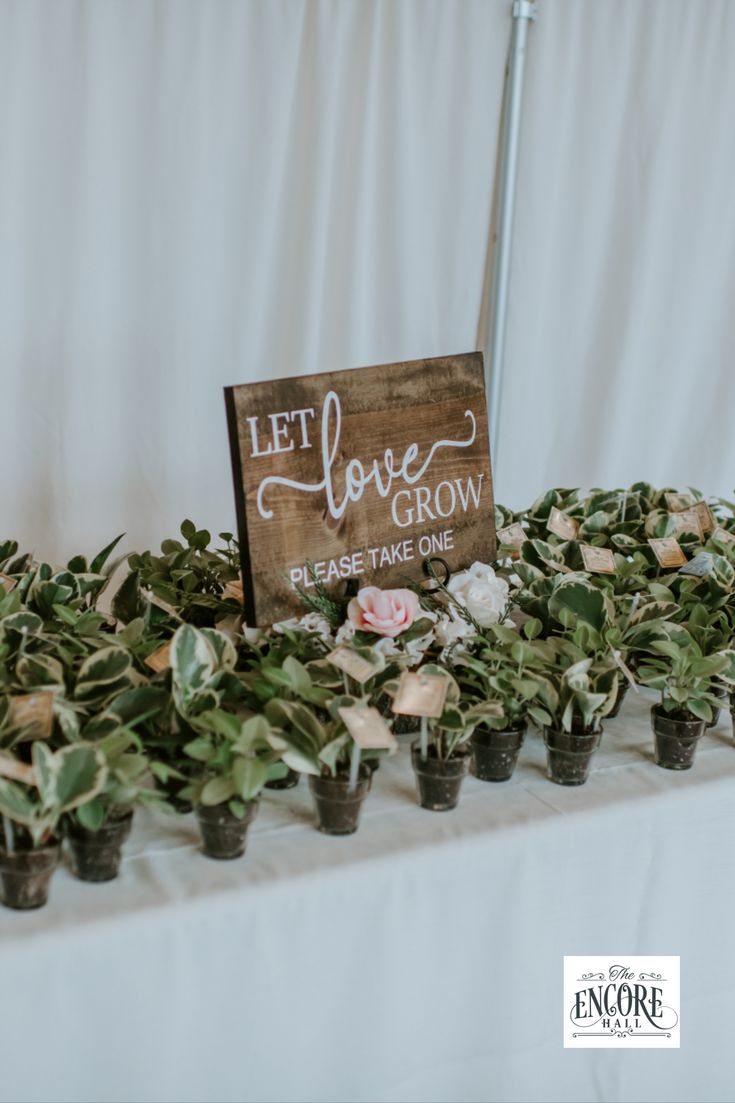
(384, 612)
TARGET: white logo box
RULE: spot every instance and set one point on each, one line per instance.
(621, 1002)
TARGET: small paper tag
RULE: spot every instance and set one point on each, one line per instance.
(561, 524)
(675, 503)
(234, 591)
(7, 583)
(668, 552)
(421, 694)
(687, 521)
(723, 535)
(159, 660)
(597, 560)
(514, 536)
(368, 728)
(704, 513)
(702, 564)
(354, 665)
(34, 714)
(17, 771)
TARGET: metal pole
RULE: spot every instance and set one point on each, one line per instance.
(523, 12)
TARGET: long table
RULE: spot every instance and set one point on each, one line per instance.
(417, 960)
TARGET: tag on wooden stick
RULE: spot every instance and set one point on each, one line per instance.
(349, 662)
(723, 535)
(7, 583)
(160, 659)
(675, 503)
(687, 521)
(514, 536)
(561, 524)
(234, 592)
(706, 520)
(597, 560)
(421, 694)
(16, 771)
(702, 564)
(668, 552)
(34, 714)
(368, 728)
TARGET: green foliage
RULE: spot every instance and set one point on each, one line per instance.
(62, 781)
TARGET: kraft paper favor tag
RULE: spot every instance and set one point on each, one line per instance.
(700, 565)
(17, 771)
(704, 513)
(675, 503)
(421, 695)
(687, 521)
(234, 591)
(7, 583)
(368, 728)
(349, 662)
(34, 713)
(597, 560)
(514, 536)
(160, 660)
(723, 535)
(668, 552)
(561, 524)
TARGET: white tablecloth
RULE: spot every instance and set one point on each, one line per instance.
(418, 960)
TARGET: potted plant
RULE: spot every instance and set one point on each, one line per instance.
(97, 829)
(189, 581)
(314, 737)
(441, 756)
(685, 679)
(33, 797)
(232, 752)
(497, 681)
(577, 691)
(275, 672)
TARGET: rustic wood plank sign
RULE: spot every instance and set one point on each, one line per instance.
(364, 473)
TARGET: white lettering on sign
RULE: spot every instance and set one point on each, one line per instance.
(278, 431)
(356, 477)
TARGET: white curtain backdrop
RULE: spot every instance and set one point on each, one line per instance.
(202, 192)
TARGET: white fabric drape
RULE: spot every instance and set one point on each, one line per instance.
(201, 192)
(417, 961)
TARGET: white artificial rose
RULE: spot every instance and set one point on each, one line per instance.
(452, 627)
(234, 627)
(346, 633)
(481, 593)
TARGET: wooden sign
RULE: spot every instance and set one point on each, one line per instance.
(363, 473)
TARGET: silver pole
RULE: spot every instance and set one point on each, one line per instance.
(523, 12)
